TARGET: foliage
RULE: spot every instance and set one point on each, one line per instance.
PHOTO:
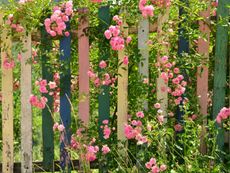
(172, 142)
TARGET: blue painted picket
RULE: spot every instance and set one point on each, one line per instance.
(183, 47)
(65, 94)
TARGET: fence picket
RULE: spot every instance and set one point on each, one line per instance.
(183, 47)
(65, 94)
(7, 103)
(202, 72)
(26, 111)
(83, 49)
(220, 66)
(104, 96)
(143, 37)
(162, 97)
(47, 120)
(122, 93)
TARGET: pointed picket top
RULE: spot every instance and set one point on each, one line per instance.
(143, 37)
(122, 93)
(202, 72)
(7, 103)
(83, 49)
(26, 111)
(162, 96)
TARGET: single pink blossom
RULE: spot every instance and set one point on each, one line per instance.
(105, 149)
(102, 64)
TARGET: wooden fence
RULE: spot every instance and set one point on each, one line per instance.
(143, 30)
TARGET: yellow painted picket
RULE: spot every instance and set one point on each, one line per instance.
(7, 103)
(122, 103)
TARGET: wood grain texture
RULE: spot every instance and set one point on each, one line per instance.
(122, 94)
(83, 49)
(202, 71)
(220, 69)
(7, 104)
(26, 111)
(162, 97)
(143, 37)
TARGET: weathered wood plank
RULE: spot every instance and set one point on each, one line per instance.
(202, 72)
(220, 65)
(104, 54)
(26, 111)
(122, 94)
(162, 97)
(7, 103)
(83, 49)
(47, 120)
(143, 37)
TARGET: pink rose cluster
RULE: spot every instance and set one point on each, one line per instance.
(106, 129)
(56, 24)
(114, 34)
(93, 150)
(59, 127)
(14, 25)
(160, 116)
(178, 127)
(90, 149)
(172, 74)
(43, 85)
(91, 153)
(106, 79)
(146, 10)
(52, 89)
(223, 115)
(39, 103)
(133, 130)
(8, 63)
(153, 167)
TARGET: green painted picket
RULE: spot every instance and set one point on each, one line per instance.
(47, 120)
(220, 72)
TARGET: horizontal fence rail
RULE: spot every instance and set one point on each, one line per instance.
(39, 166)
